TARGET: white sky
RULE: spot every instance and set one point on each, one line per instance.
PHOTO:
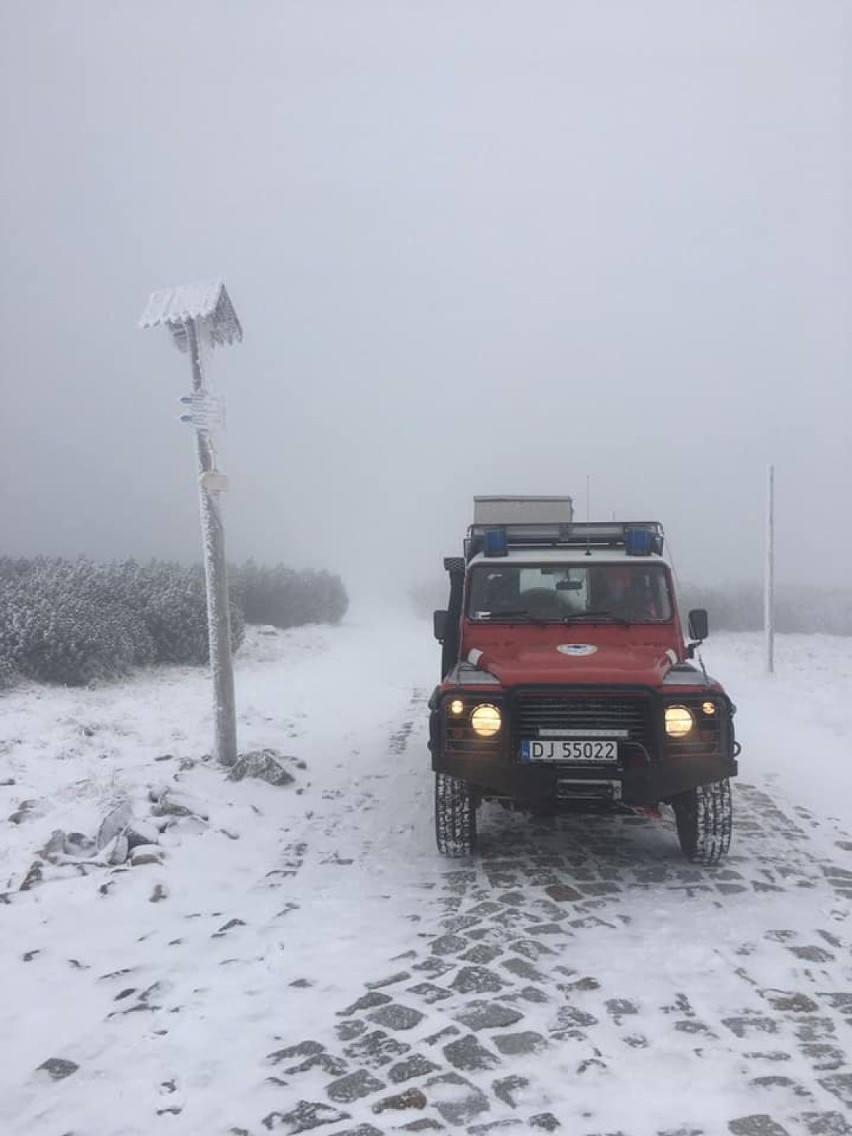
(475, 248)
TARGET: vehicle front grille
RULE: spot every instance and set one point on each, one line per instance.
(531, 713)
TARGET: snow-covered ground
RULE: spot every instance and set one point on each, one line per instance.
(299, 957)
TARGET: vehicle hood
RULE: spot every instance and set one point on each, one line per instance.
(640, 664)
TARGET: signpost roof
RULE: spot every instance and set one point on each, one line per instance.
(207, 302)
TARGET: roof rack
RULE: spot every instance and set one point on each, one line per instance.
(648, 538)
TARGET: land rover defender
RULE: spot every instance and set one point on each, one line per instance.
(567, 683)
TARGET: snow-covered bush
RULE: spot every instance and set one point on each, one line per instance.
(58, 625)
(283, 597)
(77, 622)
(171, 600)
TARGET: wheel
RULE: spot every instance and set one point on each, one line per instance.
(455, 816)
(704, 818)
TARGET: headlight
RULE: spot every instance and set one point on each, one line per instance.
(679, 721)
(485, 720)
(456, 706)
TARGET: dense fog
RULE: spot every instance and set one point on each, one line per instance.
(475, 248)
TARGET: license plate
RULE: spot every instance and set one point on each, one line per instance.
(569, 749)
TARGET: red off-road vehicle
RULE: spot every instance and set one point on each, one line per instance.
(567, 682)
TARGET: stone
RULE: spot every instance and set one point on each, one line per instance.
(304, 1117)
(505, 1089)
(467, 1054)
(173, 803)
(448, 944)
(349, 1030)
(570, 1019)
(409, 1098)
(840, 1085)
(511, 1044)
(302, 1049)
(396, 1017)
(414, 1066)
(353, 1086)
(33, 876)
(826, 1124)
(488, 1015)
(482, 953)
(429, 992)
(494, 1126)
(113, 824)
(620, 1008)
(757, 1125)
(376, 1049)
(456, 1100)
(749, 1024)
(58, 1068)
(544, 1120)
(264, 764)
(812, 954)
(366, 1002)
(477, 980)
(561, 893)
(400, 976)
(791, 1003)
(522, 969)
(146, 854)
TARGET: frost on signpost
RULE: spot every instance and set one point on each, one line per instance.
(201, 317)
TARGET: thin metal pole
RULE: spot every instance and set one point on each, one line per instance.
(216, 575)
(769, 580)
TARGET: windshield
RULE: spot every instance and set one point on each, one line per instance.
(638, 593)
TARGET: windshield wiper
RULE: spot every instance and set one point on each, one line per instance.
(513, 613)
(601, 614)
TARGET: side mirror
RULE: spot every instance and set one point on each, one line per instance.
(698, 626)
(439, 624)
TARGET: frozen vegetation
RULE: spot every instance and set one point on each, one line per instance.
(77, 622)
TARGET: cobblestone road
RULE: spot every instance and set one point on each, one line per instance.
(545, 990)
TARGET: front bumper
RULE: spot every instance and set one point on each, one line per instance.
(651, 767)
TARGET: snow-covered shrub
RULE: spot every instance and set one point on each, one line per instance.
(76, 622)
(172, 602)
(283, 597)
(57, 625)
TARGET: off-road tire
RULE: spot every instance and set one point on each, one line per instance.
(455, 816)
(704, 818)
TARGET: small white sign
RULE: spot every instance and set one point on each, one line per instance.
(213, 481)
(576, 650)
(204, 411)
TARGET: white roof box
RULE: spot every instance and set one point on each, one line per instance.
(522, 511)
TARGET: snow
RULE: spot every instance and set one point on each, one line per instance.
(206, 301)
(650, 996)
(186, 302)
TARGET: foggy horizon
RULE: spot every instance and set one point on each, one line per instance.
(477, 249)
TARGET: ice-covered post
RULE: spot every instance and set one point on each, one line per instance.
(769, 579)
(201, 316)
